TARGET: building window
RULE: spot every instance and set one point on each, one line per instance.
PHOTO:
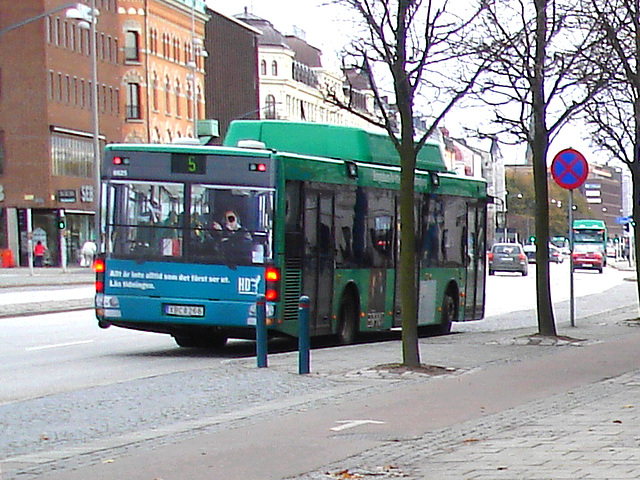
(199, 104)
(165, 45)
(167, 96)
(131, 46)
(263, 67)
(108, 46)
(154, 92)
(2, 150)
(76, 100)
(189, 101)
(133, 101)
(49, 29)
(115, 50)
(270, 107)
(177, 98)
(153, 41)
(176, 49)
(104, 98)
(56, 31)
(72, 37)
(51, 84)
(274, 68)
(72, 156)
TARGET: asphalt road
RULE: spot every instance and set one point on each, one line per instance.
(77, 396)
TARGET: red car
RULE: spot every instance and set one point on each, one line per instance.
(588, 256)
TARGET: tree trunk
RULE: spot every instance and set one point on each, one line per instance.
(540, 147)
(634, 168)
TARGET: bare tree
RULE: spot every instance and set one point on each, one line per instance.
(614, 114)
(419, 47)
(540, 81)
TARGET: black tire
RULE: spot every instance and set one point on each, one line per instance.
(347, 331)
(204, 341)
(185, 341)
(448, 314)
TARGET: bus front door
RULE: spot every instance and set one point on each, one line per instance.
(319, 258)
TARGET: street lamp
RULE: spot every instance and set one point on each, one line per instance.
(87, 19)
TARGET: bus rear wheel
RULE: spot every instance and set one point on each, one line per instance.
(347, 331)
(448, 313)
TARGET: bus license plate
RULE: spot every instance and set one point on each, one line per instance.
(184, 310)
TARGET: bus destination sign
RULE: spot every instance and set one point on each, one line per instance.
(188, 163)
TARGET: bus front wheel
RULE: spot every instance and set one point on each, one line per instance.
(348, 322)
(204, 341)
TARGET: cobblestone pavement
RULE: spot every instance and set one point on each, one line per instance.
(588, 433)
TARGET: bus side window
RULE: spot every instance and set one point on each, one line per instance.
(294, 242)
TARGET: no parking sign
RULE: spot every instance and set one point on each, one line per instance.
(569, 168)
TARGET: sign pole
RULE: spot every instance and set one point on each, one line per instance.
(570, 169)
(571, 292)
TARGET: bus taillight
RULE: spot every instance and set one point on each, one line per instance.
(99, 267)
(272, 277)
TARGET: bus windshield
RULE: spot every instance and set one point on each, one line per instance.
(186, 222)
(588, 236)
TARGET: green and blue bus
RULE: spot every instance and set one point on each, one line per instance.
(316, 212)
(591, 232)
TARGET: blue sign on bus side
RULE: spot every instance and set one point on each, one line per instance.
(175, 280)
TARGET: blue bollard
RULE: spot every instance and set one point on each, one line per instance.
(304, 343)
(261, 331)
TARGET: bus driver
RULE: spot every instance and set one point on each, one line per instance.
(235, 243)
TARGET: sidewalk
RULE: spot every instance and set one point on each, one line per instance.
(45, 276)
(39, 278)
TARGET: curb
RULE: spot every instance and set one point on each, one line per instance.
(39, 308)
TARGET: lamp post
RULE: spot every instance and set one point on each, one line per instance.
(87, 19)
(69, 7)
(197, 50)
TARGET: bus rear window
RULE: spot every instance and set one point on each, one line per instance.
(223, 225)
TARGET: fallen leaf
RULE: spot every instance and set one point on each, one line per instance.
(110, 460)
(617, 421)
(44, 436)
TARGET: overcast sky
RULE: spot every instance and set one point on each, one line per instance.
(320, 22)
(326, 29)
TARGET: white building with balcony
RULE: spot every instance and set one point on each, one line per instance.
(294, 84)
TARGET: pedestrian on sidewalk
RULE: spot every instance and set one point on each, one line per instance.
(87, 253)
(38, 252)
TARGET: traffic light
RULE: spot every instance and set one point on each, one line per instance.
(62, 223)
(532, 239)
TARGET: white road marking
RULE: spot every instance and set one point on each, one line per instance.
(58, 345)
(354, 423)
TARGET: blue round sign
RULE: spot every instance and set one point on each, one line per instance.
(569, 168)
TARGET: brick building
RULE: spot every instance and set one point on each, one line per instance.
(231, 71)
(146, 64)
